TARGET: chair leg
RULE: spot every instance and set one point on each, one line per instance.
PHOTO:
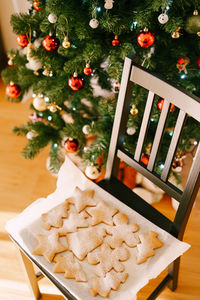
(173, 270)
(31, 276)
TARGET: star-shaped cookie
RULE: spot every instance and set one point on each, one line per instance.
(48, 245)
(102, 213)
(81, 199)
(122, 232)
(106, 259)
(68, 264)
(75, 220)
(54, 216)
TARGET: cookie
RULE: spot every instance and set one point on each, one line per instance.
(145, 249)
(122, 232)
(74, 221)
(108, 259)
(84, 241)
(68, 264)
(54, 216)
(103, 285)
(81, 199)
(102, 213)
(48, 245)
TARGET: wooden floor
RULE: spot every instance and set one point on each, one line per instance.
(23, 181)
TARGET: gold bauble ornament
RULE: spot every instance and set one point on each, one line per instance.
(193, 23)
(53, 107)
(134, 110)
(175, 35)
(66, 44)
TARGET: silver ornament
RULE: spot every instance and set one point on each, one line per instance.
(31, 134)
(39, 103)
(131, 130)
(92, 172)
(163, 18)
(94, 23)
(86, 129)
(52, 18)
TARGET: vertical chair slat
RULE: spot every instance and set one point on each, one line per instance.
(173, 145)
(144, 126)
(158, 136)
(121, 113)
(189, 194)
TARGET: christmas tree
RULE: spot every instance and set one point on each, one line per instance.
(71, 54)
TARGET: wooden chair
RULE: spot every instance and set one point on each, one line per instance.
(187, 105)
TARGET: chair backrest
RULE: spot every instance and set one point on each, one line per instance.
(188, 105)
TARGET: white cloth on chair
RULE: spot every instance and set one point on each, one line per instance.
(26, 226)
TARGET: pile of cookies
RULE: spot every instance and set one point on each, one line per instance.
(78, 220)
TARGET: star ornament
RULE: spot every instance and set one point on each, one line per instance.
(102, 213)
(48, 245)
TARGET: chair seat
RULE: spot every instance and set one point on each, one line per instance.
(131, 199)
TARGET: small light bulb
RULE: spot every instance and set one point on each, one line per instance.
(49, 118)
(55, 145)
(98, 8)
(195, 143)
(183, 76)
(85, 148)
(161, 166)
(171, 132)
(46, 99)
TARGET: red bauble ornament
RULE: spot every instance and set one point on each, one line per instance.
(22, 40)
(160, 105)
(198, 62)
(145, 38)
(36, 5)
(115, 42)
(13, 90)
(71, 145)
(87, 70)
(145, 159)
(75, 82)
(177, 165)
(181, 61)
(50, 43)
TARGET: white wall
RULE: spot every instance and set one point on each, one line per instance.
(8, 7)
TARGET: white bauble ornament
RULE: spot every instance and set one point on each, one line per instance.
(39, 103)
(92, 172)
(108, 4)
(94, 23)
(131, 130)
(31, 134)
(33, 64)
(86, 129)
(163, 18)
(37, 43)
(52, 18)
